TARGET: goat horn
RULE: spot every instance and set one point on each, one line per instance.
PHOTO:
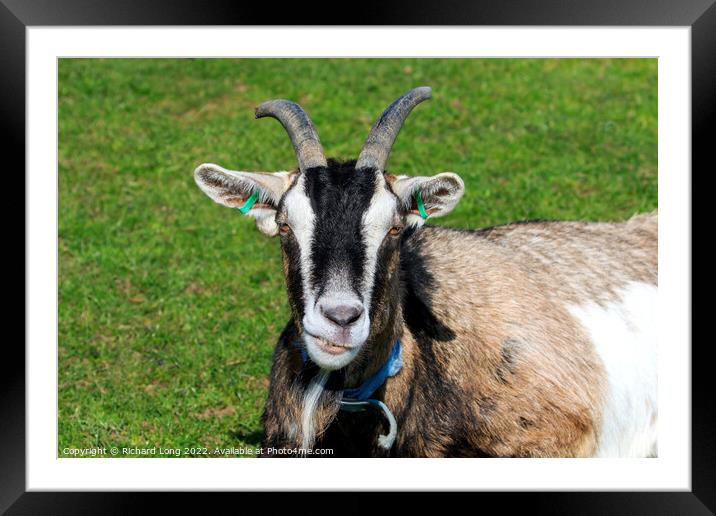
(383, 133)
(299, 128)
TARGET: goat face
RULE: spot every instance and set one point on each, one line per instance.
(340, 226)
(333, 223)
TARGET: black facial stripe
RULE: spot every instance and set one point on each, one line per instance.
(339, 196)
(294, 281)
(381, 285)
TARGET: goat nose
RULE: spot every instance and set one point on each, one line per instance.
(343, 314)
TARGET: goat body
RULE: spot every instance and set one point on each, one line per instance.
(530, 339)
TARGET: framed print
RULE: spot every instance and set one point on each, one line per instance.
(499, 349)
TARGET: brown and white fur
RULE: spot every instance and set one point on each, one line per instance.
(532, 339)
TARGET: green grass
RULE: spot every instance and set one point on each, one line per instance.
(170, 305)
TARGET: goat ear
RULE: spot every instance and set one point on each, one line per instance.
(439, 194)
(256, 194)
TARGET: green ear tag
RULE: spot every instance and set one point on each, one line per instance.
(249, 202)
(421, 205)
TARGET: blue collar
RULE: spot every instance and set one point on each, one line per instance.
(391, 367)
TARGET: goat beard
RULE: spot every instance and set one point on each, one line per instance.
(320, 407)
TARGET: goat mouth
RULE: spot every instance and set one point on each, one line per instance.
(330, 347)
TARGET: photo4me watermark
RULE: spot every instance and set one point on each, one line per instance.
(198, 451)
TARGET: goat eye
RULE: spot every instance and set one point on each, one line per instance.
(395, 231)
(284, 228)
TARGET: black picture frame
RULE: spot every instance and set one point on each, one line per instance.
(17, 15)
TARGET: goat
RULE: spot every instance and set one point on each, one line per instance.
(530, 339)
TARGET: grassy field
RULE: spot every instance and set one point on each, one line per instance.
(170, 305)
